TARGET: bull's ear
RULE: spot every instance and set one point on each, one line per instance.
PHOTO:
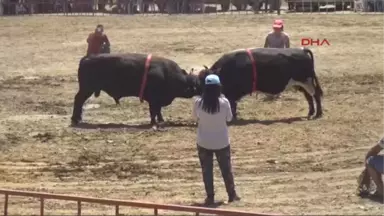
(205, 66)
(185, 72)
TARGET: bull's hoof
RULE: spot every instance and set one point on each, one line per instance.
(74, 123)
(311, 113)
(234, 120)
(310, 116)
(155, 127)
(318, 115)
(158, 127)
(235, 116)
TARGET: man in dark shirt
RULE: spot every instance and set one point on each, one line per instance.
(98, 42)
(374, 169)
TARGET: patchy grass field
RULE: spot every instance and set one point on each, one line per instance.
(282, 163)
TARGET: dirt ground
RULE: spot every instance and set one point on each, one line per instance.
(282, 162)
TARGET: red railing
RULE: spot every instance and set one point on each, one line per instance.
(118, 203)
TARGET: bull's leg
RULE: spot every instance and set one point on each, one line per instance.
(80, 99)
(160, 118)
(309, 100)
(319, 109)
(233, 104)
(153, 111)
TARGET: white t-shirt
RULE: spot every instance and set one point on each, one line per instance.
(212, 131)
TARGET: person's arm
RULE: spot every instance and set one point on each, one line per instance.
(229, 111)
(287, 42)
(266, 42)
(375, 150)
(106, 40)
(194, 111)
(89, 38)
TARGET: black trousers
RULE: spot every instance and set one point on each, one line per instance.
(223, 157)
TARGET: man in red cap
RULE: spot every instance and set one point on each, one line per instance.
(98, 42)
(277, 39)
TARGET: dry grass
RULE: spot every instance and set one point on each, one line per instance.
(317, 161)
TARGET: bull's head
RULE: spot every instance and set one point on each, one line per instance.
(192, 85)
(207, 71)
(195, 81)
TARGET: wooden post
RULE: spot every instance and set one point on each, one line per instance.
(79, 208)
(6, 205)
(41, 206)
(117, 210)
(155, 212)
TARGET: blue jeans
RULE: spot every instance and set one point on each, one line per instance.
(223, 157)
(376, 162)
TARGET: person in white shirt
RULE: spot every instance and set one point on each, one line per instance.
(212, 111)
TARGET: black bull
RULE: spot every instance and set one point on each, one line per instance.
(120, 75)
(276, 70)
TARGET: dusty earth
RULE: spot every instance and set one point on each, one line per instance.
(282, 162)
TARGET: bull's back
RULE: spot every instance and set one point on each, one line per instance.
(112, 73)
(123, 73)
(261, 56)
(266, 54)
(273, 66)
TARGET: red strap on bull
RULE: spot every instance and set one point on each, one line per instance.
(253, 70)
(145, 75)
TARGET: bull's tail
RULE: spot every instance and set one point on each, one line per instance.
(80, 74)
(318, 87)
(316, 81)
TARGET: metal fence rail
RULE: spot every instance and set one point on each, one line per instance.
(118, 203)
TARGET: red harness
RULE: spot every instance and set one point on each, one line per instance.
(253, 69)
(145, 75)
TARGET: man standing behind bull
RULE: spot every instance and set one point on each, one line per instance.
(277, 39)
(98, 42)
(213, 111)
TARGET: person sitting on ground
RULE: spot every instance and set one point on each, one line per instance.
(374, 169)
(277, 39)
(98, 42)
(212, 111)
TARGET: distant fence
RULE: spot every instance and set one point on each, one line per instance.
(118, 203)
(104, 7)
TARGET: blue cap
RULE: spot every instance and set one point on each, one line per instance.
(212, 79)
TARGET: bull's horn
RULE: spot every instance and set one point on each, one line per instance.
(205, 67)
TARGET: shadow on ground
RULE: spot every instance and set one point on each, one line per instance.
(215, 205)
(162, 126)
(290, 120)
(373, 198)
(159, 127)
